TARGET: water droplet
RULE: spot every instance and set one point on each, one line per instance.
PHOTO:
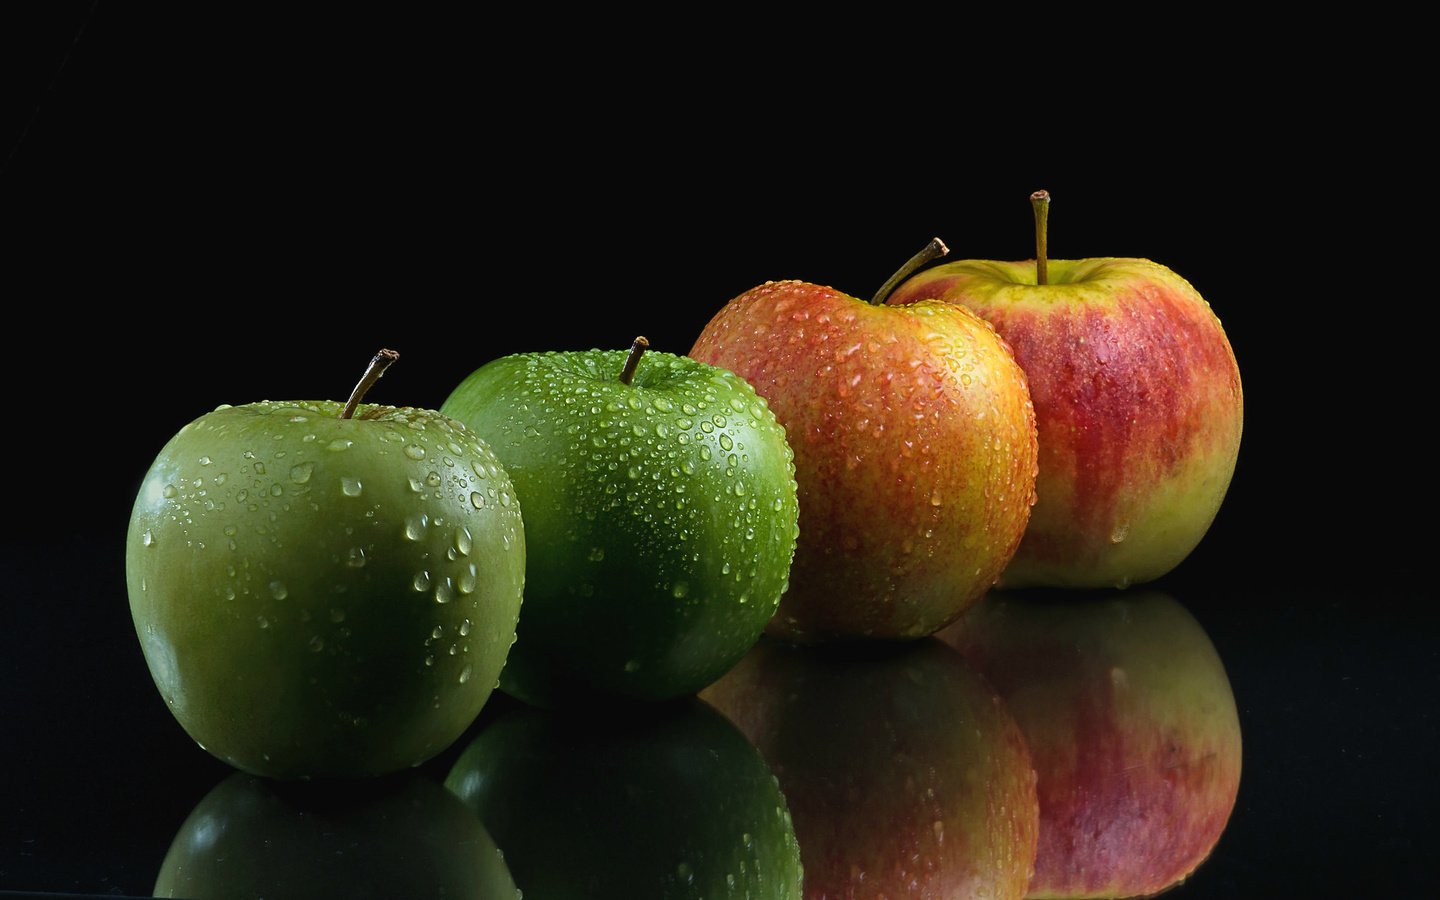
(464, 674)
(169, 493)
(464, 627)
(463, 541)
(356, 559)
(204, 460)
(339, 444)
(351, 486)
(148, 539)
(596, 554)
(725, 443)
(468, 580)
(429, 660)
(476, 500)
(415, 527)
(278, 590)
(300, 473)
(438, 633)
(935, 497)
(422, 581)
(263, 622)
(415, 451)
(276, 490)
(680, 589)
(445, 591)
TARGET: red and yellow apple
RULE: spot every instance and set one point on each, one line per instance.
(915, 457)
(1137, 402)
(1132, 728)
(904, 773)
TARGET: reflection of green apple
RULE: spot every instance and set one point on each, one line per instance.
(660, 517)
(905, 775)
(401, 837)
(663, 801)
(1132, 728)
(325, 596)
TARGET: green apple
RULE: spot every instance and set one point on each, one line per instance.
(660, 517)
(1132, 727)
(1137, 401)
(393, 837)
(666, 800)
(905, 776)
(325, 595)
(914, 444)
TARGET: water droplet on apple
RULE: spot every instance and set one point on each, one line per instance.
(356, 559)
(204, 460)
(476, 500)
(422, 581)
(464, 628)
(415, 527)
(276, 490)
(351, 487)
(680, 590)
(148, 539)
(278, 590)
(300, 473)
(468, 580)
(415, 451)
(339, 444)
(438, 633)
(429, 659)
(445, 591)
(463, 541)
(596, 554)
(464, 674)
(263, 622)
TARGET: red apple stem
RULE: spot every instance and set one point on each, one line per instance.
(377, 367)
(632, 361)
(1040, 203)
(931, 251)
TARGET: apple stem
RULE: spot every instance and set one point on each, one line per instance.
(931, 251)
(1040, 203)
(632, 361)
(377, 367)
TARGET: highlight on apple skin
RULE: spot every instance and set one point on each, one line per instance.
(915, 455)
(1138, 406)
(1132, 728)
(905, 774)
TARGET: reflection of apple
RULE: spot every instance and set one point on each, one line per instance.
(905, 774)
(660, 516)
(1132, 728)
(396, 837)
(325, 591)
(1137, 400)
(915, 454)
(654, 801)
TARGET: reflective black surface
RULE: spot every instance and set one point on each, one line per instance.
(211, 207)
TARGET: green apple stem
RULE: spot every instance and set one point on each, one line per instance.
(1040, 203)
(377, 367)
(932, 251)
(632, 361)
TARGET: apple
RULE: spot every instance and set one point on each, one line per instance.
(323, 590)
(1137, 401)
(392, 837)
(660, 517)
(905, 775)
(914, 443)
(667, 800)
(1132, 728)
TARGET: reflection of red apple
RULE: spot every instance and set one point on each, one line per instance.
(904, 773)
(1132, 728)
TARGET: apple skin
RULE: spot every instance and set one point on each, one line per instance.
(915, 454)
(392, 837)
(1131, 725)
(905, 774)
(665, 800)
(660, 517)
(318, 596)
(1138, 404)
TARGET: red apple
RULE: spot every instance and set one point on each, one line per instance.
(1132, 728)
(1137, 400)
(904, 773)
(915, 456)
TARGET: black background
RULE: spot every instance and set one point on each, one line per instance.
(219, 205)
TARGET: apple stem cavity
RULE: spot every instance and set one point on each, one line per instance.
(1040, 203)
(931, 251)
(377, 367)
(632, 361)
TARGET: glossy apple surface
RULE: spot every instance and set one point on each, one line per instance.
(906, 776)
(318, 596)
(1132, 727)
(660, 517)
(382, 839)
(664, 801)
(915, 455)
(1138, 405)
